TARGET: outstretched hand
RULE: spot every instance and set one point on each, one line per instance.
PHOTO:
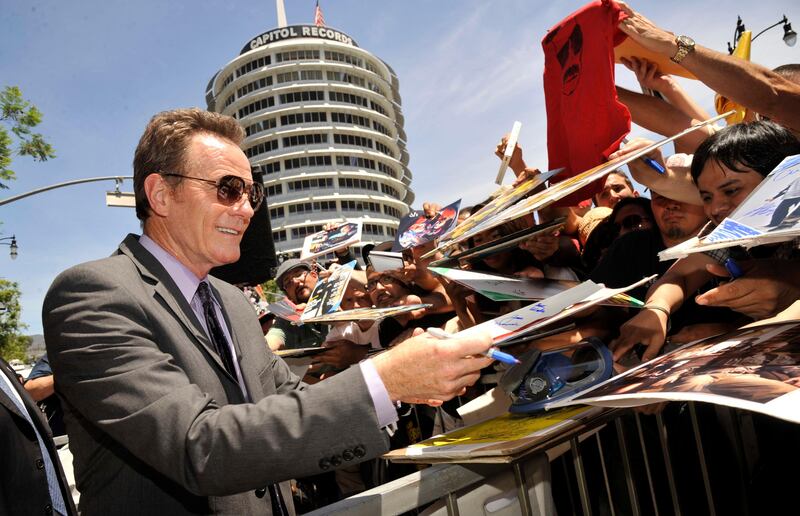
(516, 163)
(648, 327)
(765, 289)
(648, 74)
(646, 33)
(430, 370)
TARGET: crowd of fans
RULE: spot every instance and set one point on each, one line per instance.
(615, 241)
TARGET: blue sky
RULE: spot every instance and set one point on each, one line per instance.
(99, 70)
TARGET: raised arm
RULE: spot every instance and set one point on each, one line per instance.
(743, 82)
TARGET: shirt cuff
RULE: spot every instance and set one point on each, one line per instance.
(384, 408)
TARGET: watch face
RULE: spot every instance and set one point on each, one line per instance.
(685, 41)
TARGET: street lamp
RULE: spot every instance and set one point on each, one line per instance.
(789, 35)
(12, 245)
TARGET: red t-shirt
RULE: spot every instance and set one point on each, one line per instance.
(585, 121)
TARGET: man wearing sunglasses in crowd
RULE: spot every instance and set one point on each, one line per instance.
(173, 403)
(297, 280)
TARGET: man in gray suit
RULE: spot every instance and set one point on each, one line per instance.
(173, 403)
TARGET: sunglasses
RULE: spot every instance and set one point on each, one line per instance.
(230, 189)
(384, 280)
(632, 222)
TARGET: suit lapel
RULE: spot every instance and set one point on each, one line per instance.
(233, 321)
(4, 399)
(167, 291)
(35, 415)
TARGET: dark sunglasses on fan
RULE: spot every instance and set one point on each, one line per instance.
(230, 189)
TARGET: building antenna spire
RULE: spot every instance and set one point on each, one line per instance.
(281, 13)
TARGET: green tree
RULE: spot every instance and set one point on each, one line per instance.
(12, 343)
(271, 287)
(21, 117)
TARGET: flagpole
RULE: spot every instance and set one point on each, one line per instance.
(281, 13)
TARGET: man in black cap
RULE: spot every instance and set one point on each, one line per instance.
(297, 279)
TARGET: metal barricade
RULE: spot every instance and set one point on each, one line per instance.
(689, 459)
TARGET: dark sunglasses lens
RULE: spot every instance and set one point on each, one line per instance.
(229, 190)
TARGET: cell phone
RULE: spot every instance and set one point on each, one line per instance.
(383, 261)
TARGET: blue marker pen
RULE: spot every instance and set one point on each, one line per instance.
(493, 353)
(733, 268)
(655, 165)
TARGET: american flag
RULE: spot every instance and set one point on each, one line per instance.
(319, 20)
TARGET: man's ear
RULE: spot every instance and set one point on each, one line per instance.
(159, 194)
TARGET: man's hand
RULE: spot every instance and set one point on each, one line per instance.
(767, 287)
(524, 175)
(430, 209)
(647, 33)
(432, 370)
(339, 354)
(648, 327)
(517, 164)
(541, 246)
(648, 74)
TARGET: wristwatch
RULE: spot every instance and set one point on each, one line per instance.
(685, 47)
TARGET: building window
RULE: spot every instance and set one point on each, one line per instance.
(347, 118)
(279, 236)
(386, 169)
(273, 190)
(270, 168)
(301, 96)
(346, 77)
(349, 139)
(391, 211)
(253, 86)
(253, 65)
(349, 98)
(377, 107)
(343, 58)
(390, 191)
(373, 229)
(384, 149)
(381, 128)
(228, 80)
(304, 139)
(296, 55)
(304, 231)
(303, 75)
(361, 206)
(362, 184)
(267, 146)
(310, 207)
(261, 125)
(299, 118)
(309, 184)
(355, 161)
(266, 102)
(391, 232)
(276, 213)
(307, 161)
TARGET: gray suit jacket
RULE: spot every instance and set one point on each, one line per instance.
(156, 424)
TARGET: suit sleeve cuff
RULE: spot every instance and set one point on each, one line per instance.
(384, 408)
